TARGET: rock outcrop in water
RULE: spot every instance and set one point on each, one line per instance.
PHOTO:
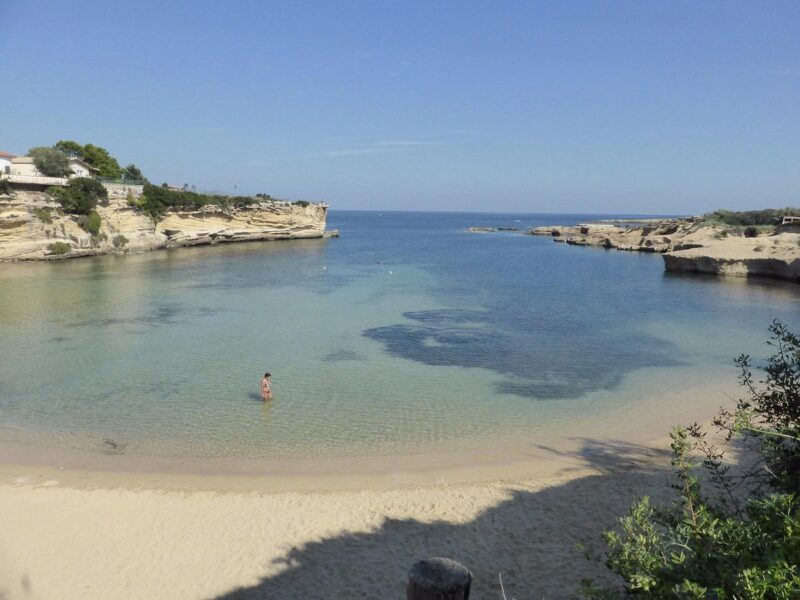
(33, 227)
(490, 229)
(694, 248)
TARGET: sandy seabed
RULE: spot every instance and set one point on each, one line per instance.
(69, 534)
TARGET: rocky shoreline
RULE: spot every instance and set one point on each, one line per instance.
(691, 247)
(33, 227)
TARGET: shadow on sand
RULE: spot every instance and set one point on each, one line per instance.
(531, 537)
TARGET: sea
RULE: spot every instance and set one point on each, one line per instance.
(406, 335)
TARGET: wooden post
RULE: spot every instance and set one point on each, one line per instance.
(438, 579)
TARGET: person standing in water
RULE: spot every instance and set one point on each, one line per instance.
(266, 387)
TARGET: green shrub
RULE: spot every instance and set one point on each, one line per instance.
(156, 200)
(768, 216)
(132, 173)
(59, 248)
(750, 231)
(119, 241)
(43, 214)
(90, 223)
(744, 540)
(133, 200)
(302, 203)
(81, 196)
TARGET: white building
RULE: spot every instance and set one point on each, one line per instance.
(81, 168)
(24, 167)
(5, 163)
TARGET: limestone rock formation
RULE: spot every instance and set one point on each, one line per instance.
(694, 248)
(33, 227)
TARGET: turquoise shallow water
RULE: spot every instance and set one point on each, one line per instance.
(405, 335)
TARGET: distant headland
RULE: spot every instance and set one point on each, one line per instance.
(73, 200)
(762, 243)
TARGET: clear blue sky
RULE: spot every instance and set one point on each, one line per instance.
(654, 107)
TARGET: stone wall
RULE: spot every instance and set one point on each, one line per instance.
(120, 190)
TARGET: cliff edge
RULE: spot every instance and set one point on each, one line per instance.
(695, 248)
(33, 226)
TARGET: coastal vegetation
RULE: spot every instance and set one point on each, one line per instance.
(59, 248)
(156, 200)
(98, 157)
(81, 195)
(90, 223)
(51, 162)
(767, 216)
(742, 539)
(79, 211)
(133, 173)
(43, 214)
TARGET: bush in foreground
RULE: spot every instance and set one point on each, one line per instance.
(742, 541)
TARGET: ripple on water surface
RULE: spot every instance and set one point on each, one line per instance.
(406, 335)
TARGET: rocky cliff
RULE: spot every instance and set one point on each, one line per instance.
(694, 248)
(33, 227)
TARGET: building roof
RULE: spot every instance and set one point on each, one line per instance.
(83, 163)
(25, 160)
(6, 155)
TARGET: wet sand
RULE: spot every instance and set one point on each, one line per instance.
(344, 529)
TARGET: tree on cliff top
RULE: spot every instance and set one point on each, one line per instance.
(101, 160)
(97, 156)
(70, 148)
(50, 161)
(132, 172)
(81, 196)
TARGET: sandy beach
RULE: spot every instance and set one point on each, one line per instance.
(82, 535)
(72, 532)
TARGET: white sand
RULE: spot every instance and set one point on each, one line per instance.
(61, 542)
(102, 534)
